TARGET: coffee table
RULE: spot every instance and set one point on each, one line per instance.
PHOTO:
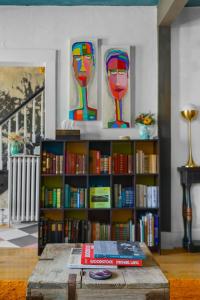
(51, 279)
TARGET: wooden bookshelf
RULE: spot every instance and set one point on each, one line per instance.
(95, 195)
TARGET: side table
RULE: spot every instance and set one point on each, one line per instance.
(188, 176)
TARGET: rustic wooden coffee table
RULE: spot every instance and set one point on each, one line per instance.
(51, 279)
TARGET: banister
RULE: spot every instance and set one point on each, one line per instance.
(34, 95)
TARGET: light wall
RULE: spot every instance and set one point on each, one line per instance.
(185, 76)
(51, 27)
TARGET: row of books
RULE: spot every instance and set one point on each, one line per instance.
(52, 163)
(98, 231)
(75, 197)
(122, 163)
(146, 163)
(75, 163)
(104, 254)
(99, 163)
(123, 196)
(76, 230)
(51, 198)
(123, 231)
(147, 196)
(100, 197)
(149, 229)
(50, 232)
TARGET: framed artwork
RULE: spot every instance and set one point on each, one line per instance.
(116, 88)
(83, 79)
(27, 58)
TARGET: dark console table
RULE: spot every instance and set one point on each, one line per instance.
(188, 176)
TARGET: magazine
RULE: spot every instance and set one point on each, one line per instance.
(118, 249)
(74, 261)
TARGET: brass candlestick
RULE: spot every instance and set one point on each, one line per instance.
(190, 114)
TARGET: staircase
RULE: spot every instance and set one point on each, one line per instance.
(28, 119)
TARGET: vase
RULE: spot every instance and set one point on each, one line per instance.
(14, 148)
(144, 132)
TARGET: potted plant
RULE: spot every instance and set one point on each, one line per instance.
(145, 121)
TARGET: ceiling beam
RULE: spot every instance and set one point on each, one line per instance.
(169, 10)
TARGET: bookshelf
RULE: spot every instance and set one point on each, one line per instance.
(99, 189)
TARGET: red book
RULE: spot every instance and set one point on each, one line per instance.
(87, 258)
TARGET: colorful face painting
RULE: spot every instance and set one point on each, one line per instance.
(117, 70)
(83, 67)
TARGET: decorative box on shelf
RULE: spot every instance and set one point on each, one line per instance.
(67, 134)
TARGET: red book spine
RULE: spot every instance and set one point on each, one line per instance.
(98, 162)
(66, 163)
(115, 163)
(73, 163)
(87, 258)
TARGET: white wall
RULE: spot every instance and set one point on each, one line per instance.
(51, 27)
(185, 75)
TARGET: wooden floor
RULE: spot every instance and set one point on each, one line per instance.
(17, 264)
(179, 264)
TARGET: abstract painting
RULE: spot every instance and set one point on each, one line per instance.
(83, 80)
(116, 105)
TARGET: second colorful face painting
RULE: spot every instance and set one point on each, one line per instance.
(116, 88)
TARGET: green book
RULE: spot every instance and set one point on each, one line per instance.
(100, 197)
(54, 198)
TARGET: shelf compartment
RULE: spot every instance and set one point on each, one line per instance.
(148, 231)
(102, 146)
(75, 193)
(99, 158)
(124, 231)
(52, 158)
(147, 180)
(122, 215)
(122, 157)
(75, 213)
(76, 158)
(95, 181)
(123, 194)
(51, 193)
(101, 215)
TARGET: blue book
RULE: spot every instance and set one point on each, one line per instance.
(118, 249)
(67, 196)
(156, 230)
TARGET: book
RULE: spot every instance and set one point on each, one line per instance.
(87, 258)
(100, 197)
(74, 261)
(118, 249)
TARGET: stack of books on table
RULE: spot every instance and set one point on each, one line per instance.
(107, 254)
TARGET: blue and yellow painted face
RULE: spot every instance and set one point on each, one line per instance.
(83, 61)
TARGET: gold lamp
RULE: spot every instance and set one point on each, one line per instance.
(189, 113)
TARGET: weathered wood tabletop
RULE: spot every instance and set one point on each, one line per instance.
(51, 279)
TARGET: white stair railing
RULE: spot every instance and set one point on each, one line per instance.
(12, 123)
